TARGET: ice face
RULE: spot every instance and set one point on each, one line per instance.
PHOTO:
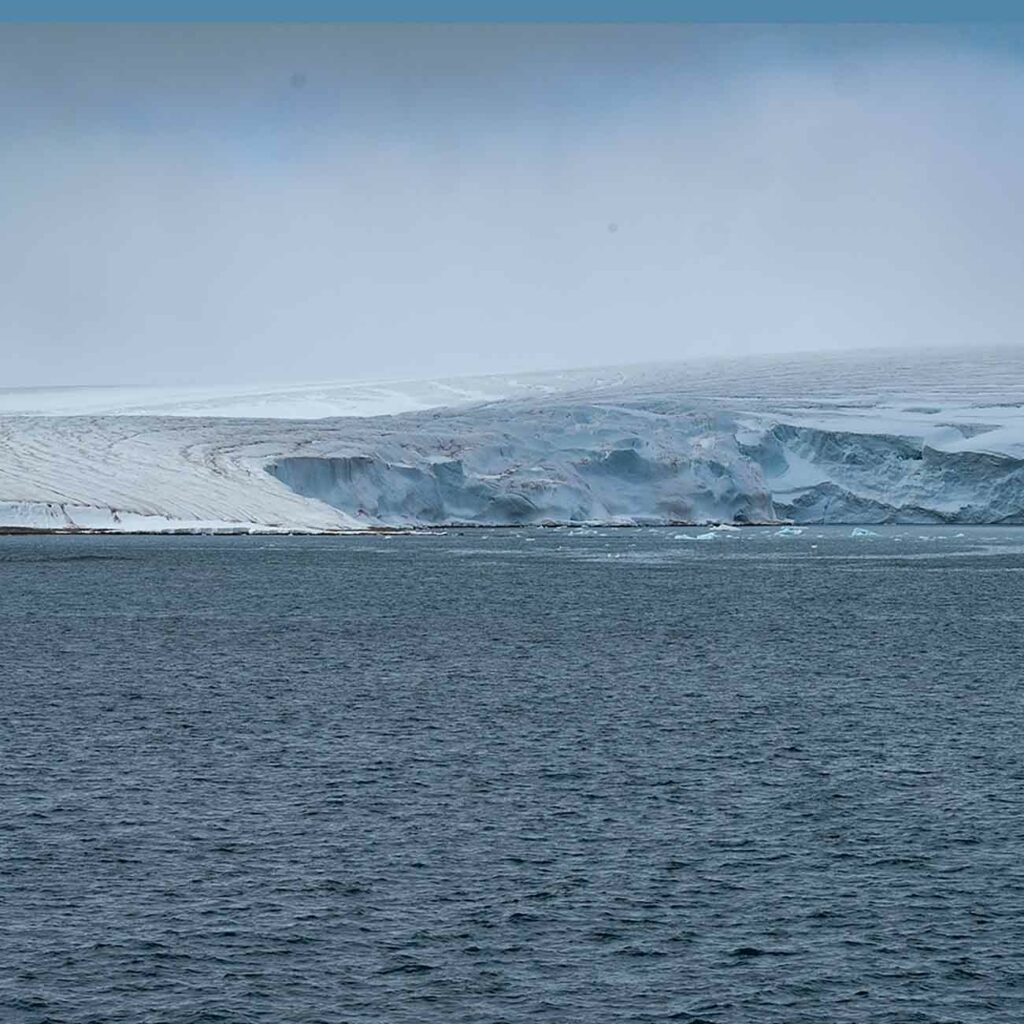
(654, 446)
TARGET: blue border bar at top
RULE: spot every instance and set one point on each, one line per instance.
(623, 11)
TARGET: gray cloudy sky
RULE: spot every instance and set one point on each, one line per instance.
(186, 204)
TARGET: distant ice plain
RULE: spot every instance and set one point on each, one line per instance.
(914, 436)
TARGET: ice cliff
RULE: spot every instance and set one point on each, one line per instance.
(849, 440)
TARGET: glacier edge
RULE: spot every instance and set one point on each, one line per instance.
(860, 440)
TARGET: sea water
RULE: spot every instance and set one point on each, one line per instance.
(523, 775)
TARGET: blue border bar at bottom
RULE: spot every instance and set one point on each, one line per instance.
(623, 11)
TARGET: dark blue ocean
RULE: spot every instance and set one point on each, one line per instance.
(506, 776)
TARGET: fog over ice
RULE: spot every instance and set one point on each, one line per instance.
(200, 204)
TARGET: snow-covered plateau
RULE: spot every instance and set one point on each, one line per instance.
(860, 438)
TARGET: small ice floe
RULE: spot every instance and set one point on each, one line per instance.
(789, 531)
(690, 536)
(859, 531)
(725, 526)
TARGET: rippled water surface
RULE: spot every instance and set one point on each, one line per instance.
(503, 776)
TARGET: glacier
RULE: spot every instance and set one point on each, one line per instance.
(854, 438)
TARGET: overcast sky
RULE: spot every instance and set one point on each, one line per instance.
(258, 204)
